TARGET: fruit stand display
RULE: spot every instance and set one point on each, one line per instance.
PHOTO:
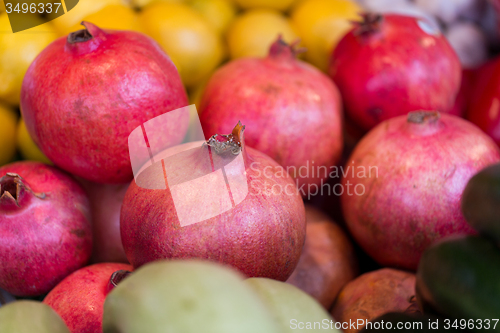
(234, 166)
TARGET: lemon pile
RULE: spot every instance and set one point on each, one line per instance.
(198, 35)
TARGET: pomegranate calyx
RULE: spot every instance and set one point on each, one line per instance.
(79, 36)
(233, 142)
(421, 117)
(370, 24)
(281, 49)
(12, 189)
(116, 278)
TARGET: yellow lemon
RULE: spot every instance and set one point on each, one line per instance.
(219, 13)
(194, 46)
(8, 121)
(272, 4)
(252, 33)
(66, 23)
(27, 147)
(115, 17)
(144, 3)
(321, 24)
(17, 51)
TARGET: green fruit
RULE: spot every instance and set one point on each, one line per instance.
(460, 278)
(29, 317)
(188, 297)
(411, 323)
(293, 308)
(481, 202)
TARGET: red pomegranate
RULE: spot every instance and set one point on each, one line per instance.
(484, 105)
(82, 96)
(45, 231)
(389, 65)
(291, 109)
(404, 181)
(223, 202)
(79, 298)
(106, 202)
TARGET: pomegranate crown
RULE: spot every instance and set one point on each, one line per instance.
(233, 142)
(12, 188)
(370, 23)
(281, 49)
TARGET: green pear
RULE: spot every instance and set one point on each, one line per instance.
(29, 317)
(293, 308)
(187, 297)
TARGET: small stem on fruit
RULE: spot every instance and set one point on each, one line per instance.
(281, 49)
(79, 36)
(420, 117)
(116, 278)
(227, 142)
(369, 25)
(12, 188)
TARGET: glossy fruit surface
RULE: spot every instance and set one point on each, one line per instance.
(45, 227)
(402, 193)
(194, 45)
(219, 13)
(182, 296)
(79, 298)
(399, 64)
(321, 24)
(102, 84)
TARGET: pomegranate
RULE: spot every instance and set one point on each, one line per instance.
(484, 104)
(328, 260)
(389, 65)
(79, 298)
(373, 294)
(404, 181)
(45, 231)
(292, 110)
(82, 96)
(236, 207)
(464, 95)
(106, 202)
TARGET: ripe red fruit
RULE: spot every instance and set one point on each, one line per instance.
(259, 229)
(291, 109)
(82, 97)
(484, 105)
(45, 231)
(106, 202)
(79, 298)
(390, 65)
(404, 183)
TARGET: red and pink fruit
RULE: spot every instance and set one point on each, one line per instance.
(404, 181)
(260, 231)
(79, 298)
(484, 105)
(82, 96)
(45, 231)
(291, 109)
(389, 65)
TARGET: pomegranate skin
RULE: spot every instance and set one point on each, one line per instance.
(106, 202)
(79, 298)
(291, 109)
(81, 100)
(484, 105)
(262, 236)
(388, 66)
(412, 198)
(43, 239)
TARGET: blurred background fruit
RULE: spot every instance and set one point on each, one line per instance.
(321, 24)
(219, 13)
(8, 120)
(30, 316)
(114, 16)
(64, 24)
(27, 147)
(143, 3)
(274, 4)
(252, 32)
(193, 44)
(17, 51)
